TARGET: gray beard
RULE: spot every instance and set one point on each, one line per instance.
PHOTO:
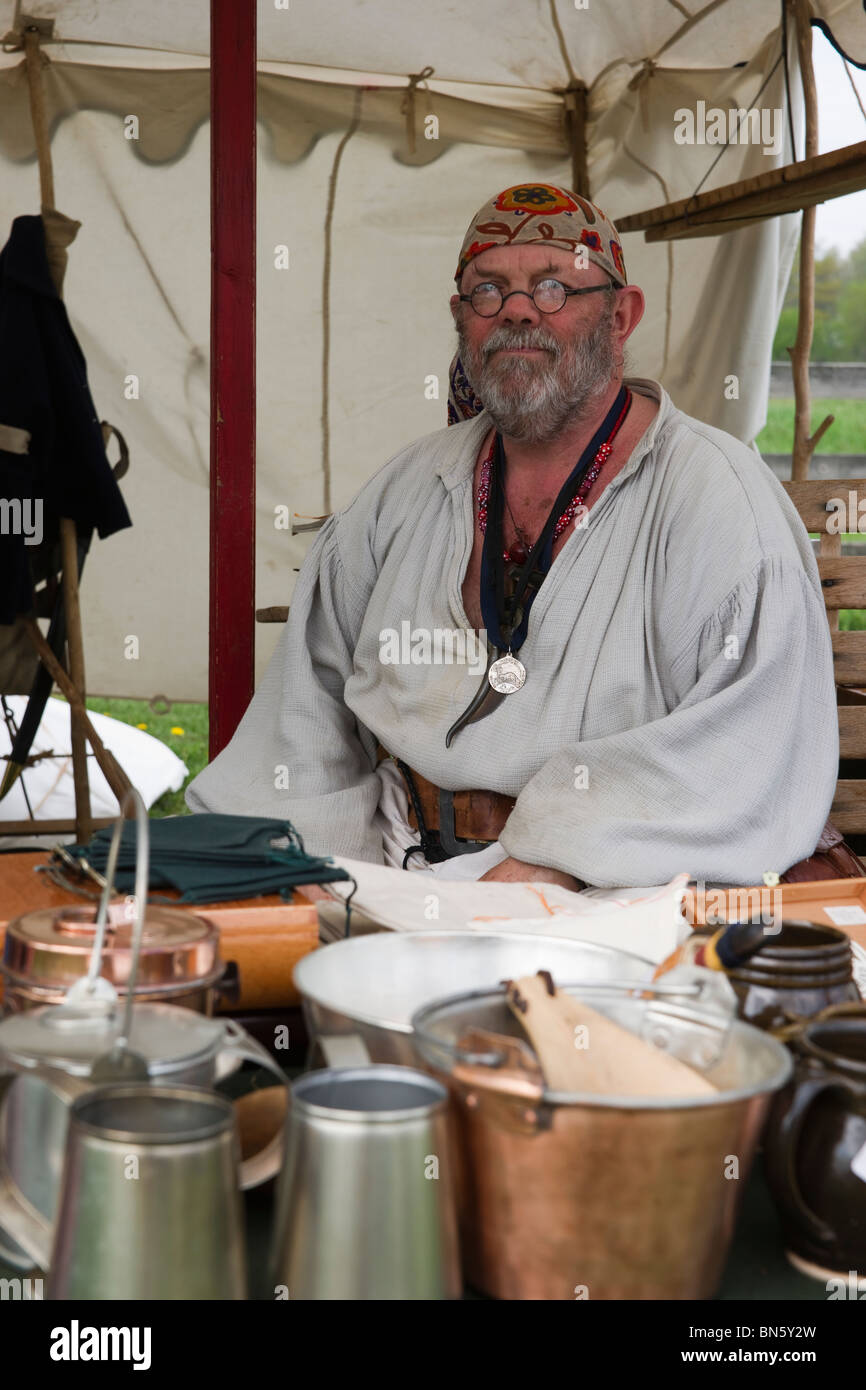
(535, 400)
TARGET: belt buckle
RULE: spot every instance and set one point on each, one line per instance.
(447, 829)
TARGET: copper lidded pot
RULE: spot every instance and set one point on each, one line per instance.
(48, 951)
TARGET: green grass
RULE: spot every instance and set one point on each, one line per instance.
(846, 435)
(191, 745)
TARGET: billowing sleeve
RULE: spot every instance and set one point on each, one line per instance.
(736, 779)
(299, 753)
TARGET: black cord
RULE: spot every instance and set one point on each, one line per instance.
(428, 846)
(12, 726)
(788, 78)
(413, 849)
(728, 143)
(354, 883)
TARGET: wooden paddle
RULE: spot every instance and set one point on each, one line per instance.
(581, 1050)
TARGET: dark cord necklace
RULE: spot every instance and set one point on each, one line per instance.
(509, 580)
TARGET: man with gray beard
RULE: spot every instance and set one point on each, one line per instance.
(638, 578)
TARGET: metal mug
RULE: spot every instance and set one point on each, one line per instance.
(366, 1205)
(45, 1066)
(150, 1206)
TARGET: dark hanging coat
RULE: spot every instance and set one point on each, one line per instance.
(44, 394)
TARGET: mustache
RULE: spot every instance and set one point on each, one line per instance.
(520, 338)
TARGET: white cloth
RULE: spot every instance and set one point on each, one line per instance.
(151, 767)
(679, 714)
(646, 922)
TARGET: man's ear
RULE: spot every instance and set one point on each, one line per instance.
(454, 303)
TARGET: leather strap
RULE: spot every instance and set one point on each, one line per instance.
(481, 816)
(478, 815)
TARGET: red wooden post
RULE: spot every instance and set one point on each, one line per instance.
(233, 366)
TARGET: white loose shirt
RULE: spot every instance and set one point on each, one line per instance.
(679, 710)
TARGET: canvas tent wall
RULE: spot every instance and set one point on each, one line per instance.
(137, 287)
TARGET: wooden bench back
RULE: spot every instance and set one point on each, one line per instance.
(831, 507)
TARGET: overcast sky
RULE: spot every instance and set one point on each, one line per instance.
(841, 221)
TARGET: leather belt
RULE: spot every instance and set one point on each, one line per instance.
(474, 816)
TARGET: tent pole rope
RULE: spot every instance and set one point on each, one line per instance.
(804, 442)
(407, 105)
(34, 62)
(853, 85)
(326, 301)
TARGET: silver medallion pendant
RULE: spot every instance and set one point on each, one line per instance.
(507, 674)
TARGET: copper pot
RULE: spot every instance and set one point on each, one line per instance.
(583, 1196)
(47, 951)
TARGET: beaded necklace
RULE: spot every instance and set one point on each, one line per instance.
(519, 553)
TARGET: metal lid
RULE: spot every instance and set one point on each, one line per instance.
(69, 1038)
(51, 948)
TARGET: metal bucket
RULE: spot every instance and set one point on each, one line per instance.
(569, 1196)
(359, 995)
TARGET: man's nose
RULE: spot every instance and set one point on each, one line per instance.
(519, 307)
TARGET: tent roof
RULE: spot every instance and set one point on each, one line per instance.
(498, 71)
(537, 44)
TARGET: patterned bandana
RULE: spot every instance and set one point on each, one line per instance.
(540, 213)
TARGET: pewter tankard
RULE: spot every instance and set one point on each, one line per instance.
(150, 1205)
(366, 1206)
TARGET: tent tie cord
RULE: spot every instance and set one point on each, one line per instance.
(407, 105)
(639, 84)
(727, 144)
(14, 41)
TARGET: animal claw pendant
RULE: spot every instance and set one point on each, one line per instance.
(507, 674)
(484, 702)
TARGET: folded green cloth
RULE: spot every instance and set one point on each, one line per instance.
(211, 858)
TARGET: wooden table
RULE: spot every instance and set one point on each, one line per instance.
(828, 902)
(264, 936)
(756, 1268)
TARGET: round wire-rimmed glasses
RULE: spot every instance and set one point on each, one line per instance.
(548, 296)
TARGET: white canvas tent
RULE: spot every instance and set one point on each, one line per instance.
(137, 287)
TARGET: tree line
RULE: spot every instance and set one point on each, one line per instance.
(840, 308)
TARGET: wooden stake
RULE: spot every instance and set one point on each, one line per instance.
(75, 662)
(575, 99)
(73, 685)
(34, 60)
(114, 773)
(804, 442)
(68, 537)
